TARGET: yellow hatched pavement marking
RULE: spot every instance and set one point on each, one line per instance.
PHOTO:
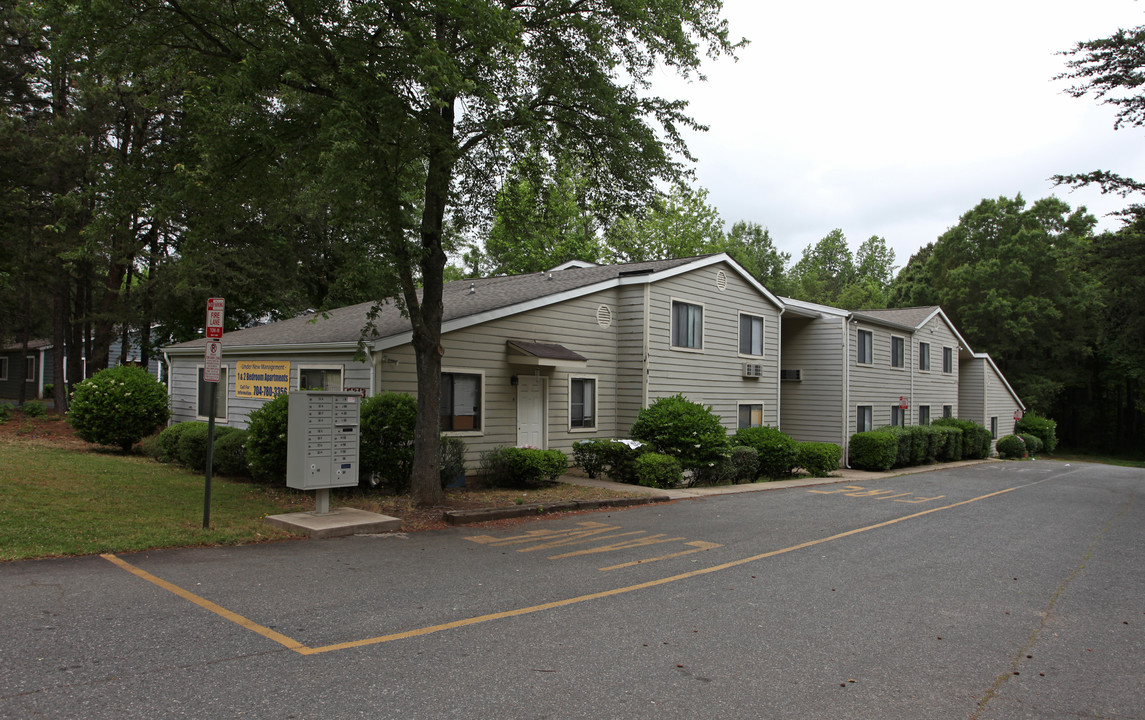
(479, 619)
(626, 545)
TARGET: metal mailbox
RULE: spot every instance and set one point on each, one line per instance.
(323, 437)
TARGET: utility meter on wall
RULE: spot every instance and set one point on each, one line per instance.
(322, 439)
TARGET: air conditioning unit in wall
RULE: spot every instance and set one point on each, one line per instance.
(793, 375)
(752, 370)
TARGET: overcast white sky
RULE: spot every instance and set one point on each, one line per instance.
(895, 117)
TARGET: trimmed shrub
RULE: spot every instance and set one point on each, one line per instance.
(874, 450)
(777, 453)
(266, 440)
(975, 438)
(658, 470)
(388, 422)
(621, 460)
(904, 444)
(591, 456)
(1041, 427)
(118, 406)
(191, 451)
(1011, 446)
(230, 452)
(949, 443)
(818, 459)
(451, 461)
(687, 431)
(522, 467)
(149, 446)
(1033, 443)
(168, 441)
(744, 461)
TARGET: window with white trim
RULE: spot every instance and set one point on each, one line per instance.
(866, 347)
(30, 368)
(994, 428)
(750, 415)
(947, 411)
(319, 377)
(3, 368)
(750, 335)
(924, 356)
(898, 351)
(948, 360)
(923, 414)
(203, 399)
(687, 325)
(898, 416)
(461, 401)
(582, 402)
(864, 421)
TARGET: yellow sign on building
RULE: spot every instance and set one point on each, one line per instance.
(263, 379)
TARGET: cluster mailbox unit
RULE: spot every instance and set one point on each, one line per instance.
(322, 442)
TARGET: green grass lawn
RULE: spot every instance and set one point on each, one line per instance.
(57, 501)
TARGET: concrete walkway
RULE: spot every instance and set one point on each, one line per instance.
(843, 475)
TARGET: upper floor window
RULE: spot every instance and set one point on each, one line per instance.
(460, 401)
(947, 360)
(866, 348)
(898, 352)
(750, 335)
(924, 356)
(687, 325)
(582, 402)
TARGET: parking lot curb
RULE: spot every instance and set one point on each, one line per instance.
(466, 517)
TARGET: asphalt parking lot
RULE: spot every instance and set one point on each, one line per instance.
(913, 596)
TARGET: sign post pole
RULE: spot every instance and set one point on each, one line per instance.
(212, 362)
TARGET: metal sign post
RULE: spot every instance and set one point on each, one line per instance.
(212, 366)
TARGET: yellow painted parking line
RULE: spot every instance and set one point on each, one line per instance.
(206, 604)
(543, 534)
(699, 545)
(479, 619)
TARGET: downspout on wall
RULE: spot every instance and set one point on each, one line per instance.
(846, 441)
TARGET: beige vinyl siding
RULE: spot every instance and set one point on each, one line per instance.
(714, 375)
(972, 390)
(811, 408)
(482, 349)
(935, 388)
(878, 384)
(630, 326)
(999, 402)
(184, 384)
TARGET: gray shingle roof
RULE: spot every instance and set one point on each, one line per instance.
(461, 299)
(910, 317)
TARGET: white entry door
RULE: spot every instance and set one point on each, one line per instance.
(531, 411)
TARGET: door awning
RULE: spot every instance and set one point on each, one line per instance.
(533, 354)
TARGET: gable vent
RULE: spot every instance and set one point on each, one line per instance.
(721, 280)
(604, 316)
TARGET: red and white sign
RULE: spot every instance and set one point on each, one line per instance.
(215, 318)
(212, 361)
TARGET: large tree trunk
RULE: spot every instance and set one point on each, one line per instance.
(426, 316)
(60, 344)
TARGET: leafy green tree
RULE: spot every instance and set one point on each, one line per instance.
(541, 219)
(824, 270)
(403, 110)
(1109, 69)
(1012, 279)
(679, 224)
(750, 245)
